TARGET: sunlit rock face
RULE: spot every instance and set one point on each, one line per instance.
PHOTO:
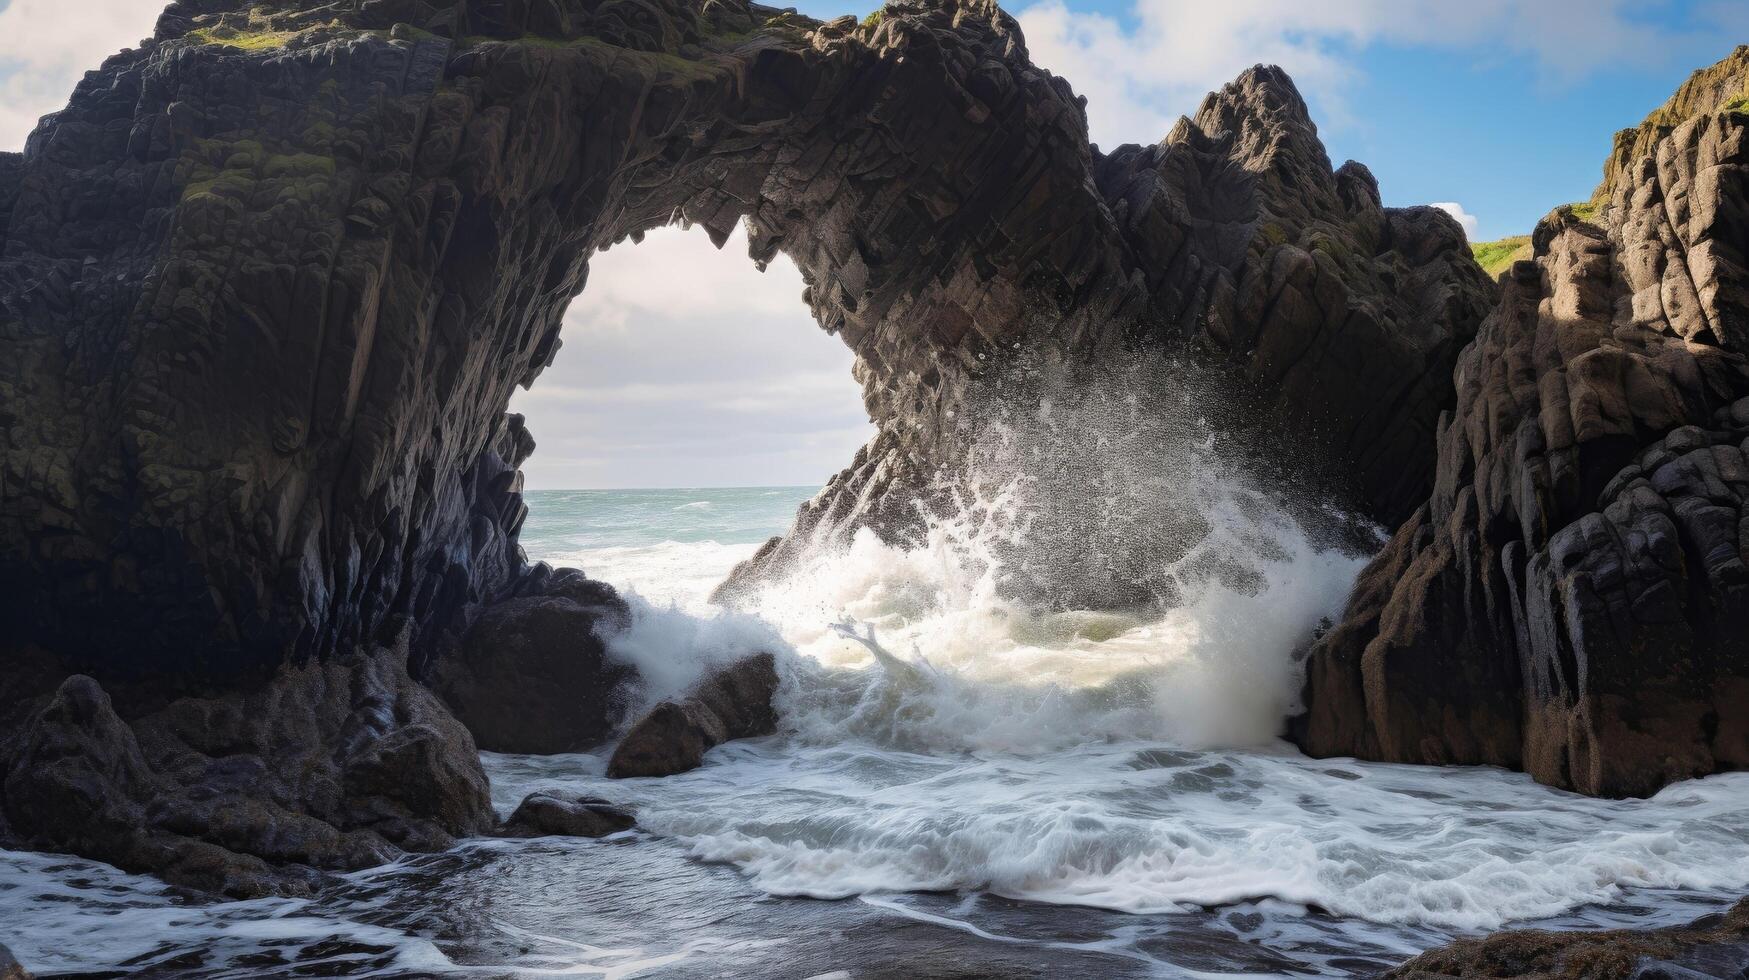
(1571, 598)
(269, 281)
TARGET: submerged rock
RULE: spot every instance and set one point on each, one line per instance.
(1713, 946)
(532, 675)
(10, 968)
(732, 702)
(550, 815)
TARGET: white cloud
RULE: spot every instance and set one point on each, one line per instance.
(46, 46)
(1463, 217)
(678, 272)
(1139, 78)
(684, 365)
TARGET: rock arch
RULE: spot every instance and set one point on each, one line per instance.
(272, 276)
(269, 280)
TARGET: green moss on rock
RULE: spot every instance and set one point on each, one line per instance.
(245, 40)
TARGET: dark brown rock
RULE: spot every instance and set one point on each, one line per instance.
(268, 282)
(532, 674)
(1713, 946)
(328, 767)
(548, 815)
(266, 302)
(1571, 598)
(732, 702)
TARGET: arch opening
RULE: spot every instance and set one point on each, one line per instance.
(693, 406)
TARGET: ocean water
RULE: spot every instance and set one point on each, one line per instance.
(966, 784)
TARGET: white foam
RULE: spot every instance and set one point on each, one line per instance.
(1003, 739)
(1152, 830)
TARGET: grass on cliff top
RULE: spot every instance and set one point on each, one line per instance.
(244, 40)
(1497, 257)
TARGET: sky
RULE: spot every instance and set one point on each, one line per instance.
(686, 366)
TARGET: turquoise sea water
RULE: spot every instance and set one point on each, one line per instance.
(564, 522)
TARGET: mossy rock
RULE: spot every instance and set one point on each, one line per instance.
(243, 40)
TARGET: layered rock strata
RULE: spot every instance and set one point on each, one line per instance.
(1571, 598)
(269, 280)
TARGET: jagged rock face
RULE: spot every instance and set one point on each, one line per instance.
(1571, 598)
(533, 673)
(1346, 315)
(332, 766)
(270, 280)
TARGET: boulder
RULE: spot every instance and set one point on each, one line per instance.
(533, 675)
(551, 815)
(732, 702)
(1712, 946)
(328, 767)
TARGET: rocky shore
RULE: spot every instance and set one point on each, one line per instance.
(1570, 599)
(270, 278)
(269, 281)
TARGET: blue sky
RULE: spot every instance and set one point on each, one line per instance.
(1498, 109)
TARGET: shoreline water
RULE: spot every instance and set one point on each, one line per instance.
(891, 821)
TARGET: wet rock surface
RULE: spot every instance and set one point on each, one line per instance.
(734, 701)
(532, 673)
(1713, 947)
(552, 815)
(1570, 600)
(326, 767)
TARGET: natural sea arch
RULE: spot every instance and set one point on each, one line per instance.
(684, 366)
(259, 357)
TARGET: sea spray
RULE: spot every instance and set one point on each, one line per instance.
(1100, 565)
(1066, 686)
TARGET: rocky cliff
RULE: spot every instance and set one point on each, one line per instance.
(270, 278)
(1571, 598)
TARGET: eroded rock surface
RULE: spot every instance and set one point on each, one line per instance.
(1713, 946)
(269, 281)
(733, 702)
(1571, 599)
(532, 674)
(327, 767)
(10, 968)
(272, 277)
